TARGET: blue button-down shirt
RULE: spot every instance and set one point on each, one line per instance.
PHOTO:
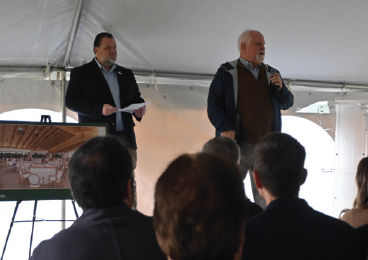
(249, 66)
(112, 80)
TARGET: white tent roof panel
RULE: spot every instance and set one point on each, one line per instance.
(313, 40)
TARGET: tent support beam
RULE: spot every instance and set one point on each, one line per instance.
(22, 69)
(187, 76)
(72, 34)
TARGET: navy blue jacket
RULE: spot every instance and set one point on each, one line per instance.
(114, 233)
(363, 234)
(223, 97)
(290, 229)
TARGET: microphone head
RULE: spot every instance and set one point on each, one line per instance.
(273, 70)
(275, 88)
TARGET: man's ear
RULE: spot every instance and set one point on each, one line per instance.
(257, 180)
(129, 197)
(304, 177)
(243, 46)
(95, 49)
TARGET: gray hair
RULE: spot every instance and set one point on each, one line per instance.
(224, 147)
(245, 37)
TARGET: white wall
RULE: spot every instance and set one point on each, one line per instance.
(350, 148)
(176, 122)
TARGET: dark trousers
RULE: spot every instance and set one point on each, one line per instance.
(133, 154)
(246, 162)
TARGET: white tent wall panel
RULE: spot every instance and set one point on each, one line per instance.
(305, 98)
(176, 122)
(25, 93)
(350, 148)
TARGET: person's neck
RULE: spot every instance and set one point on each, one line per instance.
(269, 197)
(254, 63)
(107, 67)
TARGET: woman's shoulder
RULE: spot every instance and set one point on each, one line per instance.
(355, 216)
(353, 211)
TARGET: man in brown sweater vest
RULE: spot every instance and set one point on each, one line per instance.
(245, 99)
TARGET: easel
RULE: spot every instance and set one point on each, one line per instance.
(33, 221)
(43, 120)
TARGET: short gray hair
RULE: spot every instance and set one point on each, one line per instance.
(224, 147)
(245, 37)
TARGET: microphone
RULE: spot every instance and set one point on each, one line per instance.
(275, 88)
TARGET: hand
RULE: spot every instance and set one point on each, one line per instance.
(230, 134)
(276, 80)
(108, 109)
(141, 111)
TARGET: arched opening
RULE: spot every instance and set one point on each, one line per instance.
(33, 115)
(319, 146)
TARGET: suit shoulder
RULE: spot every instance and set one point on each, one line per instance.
(124, 70)
(84, 67)
(329, 222)
(144, 218)
(230, 65)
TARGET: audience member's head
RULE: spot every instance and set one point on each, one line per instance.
(361, 179)
(279, 165)
(224, 147)
(200, 208)
(100, 173)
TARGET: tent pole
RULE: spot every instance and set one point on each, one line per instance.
(63, 116)
(72, 34)
(63, 92)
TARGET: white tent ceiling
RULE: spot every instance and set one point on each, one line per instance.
(323, 40)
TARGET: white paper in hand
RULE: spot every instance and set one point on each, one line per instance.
(132, 107)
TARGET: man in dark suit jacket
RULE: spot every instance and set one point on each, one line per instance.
(99, 88)
(100, 176)
(289, 228)
(363, 235)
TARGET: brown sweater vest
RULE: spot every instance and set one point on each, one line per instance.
(254, 105)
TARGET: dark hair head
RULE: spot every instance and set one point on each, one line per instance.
(224, 147)
(99, 172)
(200, 208)
(97, 42)
(361, 179)
(279, 161)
